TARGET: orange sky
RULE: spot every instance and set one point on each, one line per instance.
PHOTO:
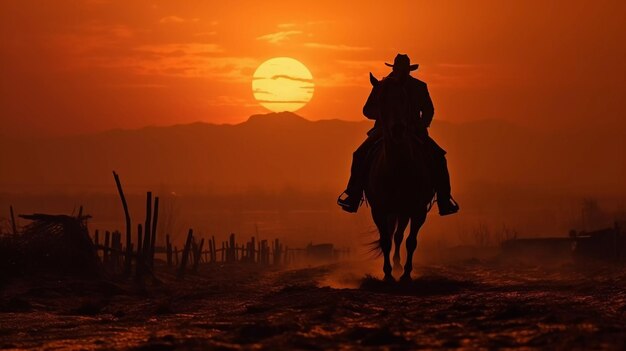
(80, 66)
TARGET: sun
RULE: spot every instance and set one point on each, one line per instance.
(282, 84)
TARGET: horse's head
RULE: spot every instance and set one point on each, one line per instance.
(371, 109)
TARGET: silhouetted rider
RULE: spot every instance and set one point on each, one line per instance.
(422, 106)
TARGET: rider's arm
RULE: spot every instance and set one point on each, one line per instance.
(426, 107)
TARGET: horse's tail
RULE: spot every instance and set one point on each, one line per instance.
(374, 248)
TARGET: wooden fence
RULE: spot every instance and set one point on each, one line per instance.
(118, 253)
(198, 250)
(195, 250)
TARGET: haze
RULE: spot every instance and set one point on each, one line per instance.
(528, 98)
(82, 66)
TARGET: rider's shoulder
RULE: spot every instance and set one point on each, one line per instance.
(417, 82)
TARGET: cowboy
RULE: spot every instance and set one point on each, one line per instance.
(422, 107)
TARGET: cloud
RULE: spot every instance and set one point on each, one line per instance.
(459, 65)
(205, 34)
(284, 101)
(261, 91)
(285, 25)
(189, 60)
(218, 68)
(315, 23)
(278, 37)
(285, 76)
(466, 75)
(97, 2)
(138, 86)
(361, 64)
(176, 19)
(339, 47)
(342, 80)
(225, 100)
(120, 48)
(196, 49)
(93, 39)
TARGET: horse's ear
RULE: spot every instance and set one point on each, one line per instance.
(373, 80)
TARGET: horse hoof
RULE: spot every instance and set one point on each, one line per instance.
(405, 278)
(389, 278)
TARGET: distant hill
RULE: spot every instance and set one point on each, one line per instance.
(284, 150)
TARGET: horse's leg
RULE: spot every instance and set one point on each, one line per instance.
(398, 236)
(411, 243)
(385, 245)
(386, 225)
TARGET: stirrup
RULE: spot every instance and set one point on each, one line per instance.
(451, 207)
(349, 207)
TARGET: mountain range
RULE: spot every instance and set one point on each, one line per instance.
(283, 150)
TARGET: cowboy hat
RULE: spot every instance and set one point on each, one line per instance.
(402, 61)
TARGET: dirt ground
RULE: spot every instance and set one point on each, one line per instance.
(467, 305)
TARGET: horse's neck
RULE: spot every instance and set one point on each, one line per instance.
(372, 108)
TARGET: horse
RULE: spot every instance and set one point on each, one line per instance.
(399, 187)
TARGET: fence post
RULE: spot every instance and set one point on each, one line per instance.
(278, 248)
(168, 248)
(211, 250)
(231, 248)
(155, 218)
(129, 251)
(198, 255)
(114, 258)
(252, 249)
(185, 257)
(138, 258)
(13, 224)
(96, 238)
(105, 254)
(193, 250)
(146, 227)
